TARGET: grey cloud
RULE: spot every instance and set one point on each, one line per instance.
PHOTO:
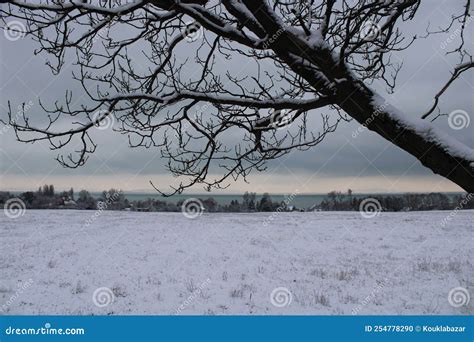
(425, 69)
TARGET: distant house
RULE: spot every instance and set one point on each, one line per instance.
(69, 203)
(64, 203)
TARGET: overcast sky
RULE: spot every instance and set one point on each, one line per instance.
(366, 163)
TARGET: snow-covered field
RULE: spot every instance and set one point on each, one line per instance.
(52, 262)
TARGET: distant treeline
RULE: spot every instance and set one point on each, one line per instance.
(338, 201)
(47, 198)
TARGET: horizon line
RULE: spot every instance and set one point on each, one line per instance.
(144, 192)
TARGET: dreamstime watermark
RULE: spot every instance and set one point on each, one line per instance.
(370, 297)
(369, 31)
(458, 119)
(459, 296)
(370, 208)
(46, 330)
(288, 199)
(455, 34)
(199, 112)
(269, 41)
(192, 208)
(21, 288)
(192, 32)
(21, 110)
(281, 297)
(103, 119)
(14, 30)
(281, 118)
(303, 11)
(102, 297)
(103, 31)
(192, 297)
(103, 205)
(378, 110)
(14, 208)
(460, 206)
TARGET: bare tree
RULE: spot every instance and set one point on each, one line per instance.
(307, 55)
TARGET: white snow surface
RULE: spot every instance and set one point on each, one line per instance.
(51, 262)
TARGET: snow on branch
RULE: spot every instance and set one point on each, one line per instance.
(183, 95)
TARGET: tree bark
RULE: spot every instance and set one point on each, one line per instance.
(357, 101)
(439, 157)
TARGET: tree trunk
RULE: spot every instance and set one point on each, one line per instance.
(450, 159)
(456, 163)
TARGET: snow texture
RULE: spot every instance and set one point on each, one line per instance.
(52, 261)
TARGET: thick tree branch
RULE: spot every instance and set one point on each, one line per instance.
(319, 57)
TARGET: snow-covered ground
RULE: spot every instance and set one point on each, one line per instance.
(53, 262)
